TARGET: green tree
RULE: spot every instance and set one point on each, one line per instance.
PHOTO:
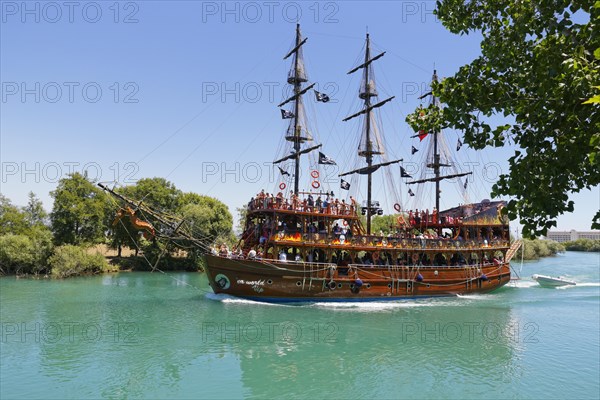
(26, 254)
(538, 67)
(34, 211)
(12, 220)
(384, 223)
(69, 260)
(208, 217)
(78, 214)
(157, 193)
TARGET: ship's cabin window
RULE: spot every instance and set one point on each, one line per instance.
(316, 255)
(458, 259)
(402, 258)
(440, 259)
(364, 258)
(473, 258)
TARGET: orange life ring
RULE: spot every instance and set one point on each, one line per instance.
(400, 220)
(375, 256)
(314, 174)
(316, 184)
(282, 185)
(397, 207)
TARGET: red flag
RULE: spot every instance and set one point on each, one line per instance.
(422, 135)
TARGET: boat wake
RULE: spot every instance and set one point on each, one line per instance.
(227, 299)
(579, 285)
(522, 284)
(475, 296)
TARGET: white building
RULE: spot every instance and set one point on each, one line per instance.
(566, 236)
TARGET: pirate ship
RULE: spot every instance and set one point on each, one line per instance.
(306, 245)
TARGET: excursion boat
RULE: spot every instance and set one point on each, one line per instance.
(550, 281)
(308, 246)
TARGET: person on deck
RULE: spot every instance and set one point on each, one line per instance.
(319, 204)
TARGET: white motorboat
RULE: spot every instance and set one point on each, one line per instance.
(552, 281)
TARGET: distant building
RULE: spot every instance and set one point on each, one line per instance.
(566, 236)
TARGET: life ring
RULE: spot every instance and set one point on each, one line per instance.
(316, 184)
(397, 207)
(282, 185)
(345, 223)
(400, 220)
(375, 256)
(314, 174)
(415, 257)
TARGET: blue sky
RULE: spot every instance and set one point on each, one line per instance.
(188, 90)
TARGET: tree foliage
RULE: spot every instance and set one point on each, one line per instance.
(34, 211)
(583, 245)
(12, 220)
(537, 248)
(539, 69)
(69, 260)
(78, 214)
(25, 254)
(384, 223)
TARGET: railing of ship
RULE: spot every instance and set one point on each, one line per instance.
(388, 242)
(331, 209)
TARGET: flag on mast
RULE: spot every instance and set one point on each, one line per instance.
(283, 171)
(285, 114)
(323, 159)
(322, 97)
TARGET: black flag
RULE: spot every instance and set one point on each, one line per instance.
(323, 159)
(414, 150)
(321, 97)
(283, 171)
(344, 185)
(285, 114)
(410, 192)
(404, 174)
(458, 145)
(465, 185)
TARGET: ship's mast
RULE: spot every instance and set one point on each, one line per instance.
(436, 153)
(297, 87)
(372, 143)
(369, 143)
(436, 164)
(297, 133)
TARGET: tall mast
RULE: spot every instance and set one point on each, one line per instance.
(436, 153)
(297, 88)
(371, 145)
(436, 164)
(369, 149)
(296, 133)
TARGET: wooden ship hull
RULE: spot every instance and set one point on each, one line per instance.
(275, 281)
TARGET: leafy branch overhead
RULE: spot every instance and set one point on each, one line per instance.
(539, 70)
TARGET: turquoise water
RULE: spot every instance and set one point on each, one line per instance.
(134, 335)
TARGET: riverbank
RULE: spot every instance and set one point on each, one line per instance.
(538, 248)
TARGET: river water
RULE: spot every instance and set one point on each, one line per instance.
(134, 335)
